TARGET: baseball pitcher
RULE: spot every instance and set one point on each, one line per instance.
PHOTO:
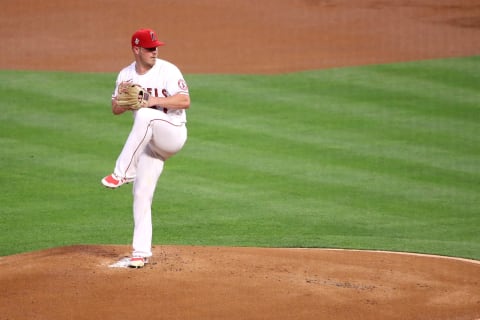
(157, 94)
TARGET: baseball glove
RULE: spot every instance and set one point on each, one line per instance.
(132, 96)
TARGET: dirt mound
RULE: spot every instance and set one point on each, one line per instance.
(184, 282)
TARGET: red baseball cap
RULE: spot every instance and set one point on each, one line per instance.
(146, 38)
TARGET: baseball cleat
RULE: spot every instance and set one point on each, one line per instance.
(130, 262)
(112, 181)
(137, 262)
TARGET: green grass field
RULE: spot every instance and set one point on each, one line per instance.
(376, 157)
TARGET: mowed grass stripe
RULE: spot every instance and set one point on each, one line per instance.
(363, 143)
(377, 157)
(354, 143)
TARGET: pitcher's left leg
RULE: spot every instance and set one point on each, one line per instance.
(140, 136)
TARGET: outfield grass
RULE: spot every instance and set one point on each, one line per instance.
(377, 157)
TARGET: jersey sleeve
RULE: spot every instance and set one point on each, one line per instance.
(176, 83)
(117, 82)
(124, 75)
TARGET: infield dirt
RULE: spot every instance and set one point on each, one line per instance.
(216, 36)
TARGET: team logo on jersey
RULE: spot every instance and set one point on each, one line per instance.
(182, 84)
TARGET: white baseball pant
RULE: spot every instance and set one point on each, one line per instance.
(153, 139)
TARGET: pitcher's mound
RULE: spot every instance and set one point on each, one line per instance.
(237, 283)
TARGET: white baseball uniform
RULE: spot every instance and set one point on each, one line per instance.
(156, 135)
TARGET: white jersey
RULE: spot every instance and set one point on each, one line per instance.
(163, 80)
